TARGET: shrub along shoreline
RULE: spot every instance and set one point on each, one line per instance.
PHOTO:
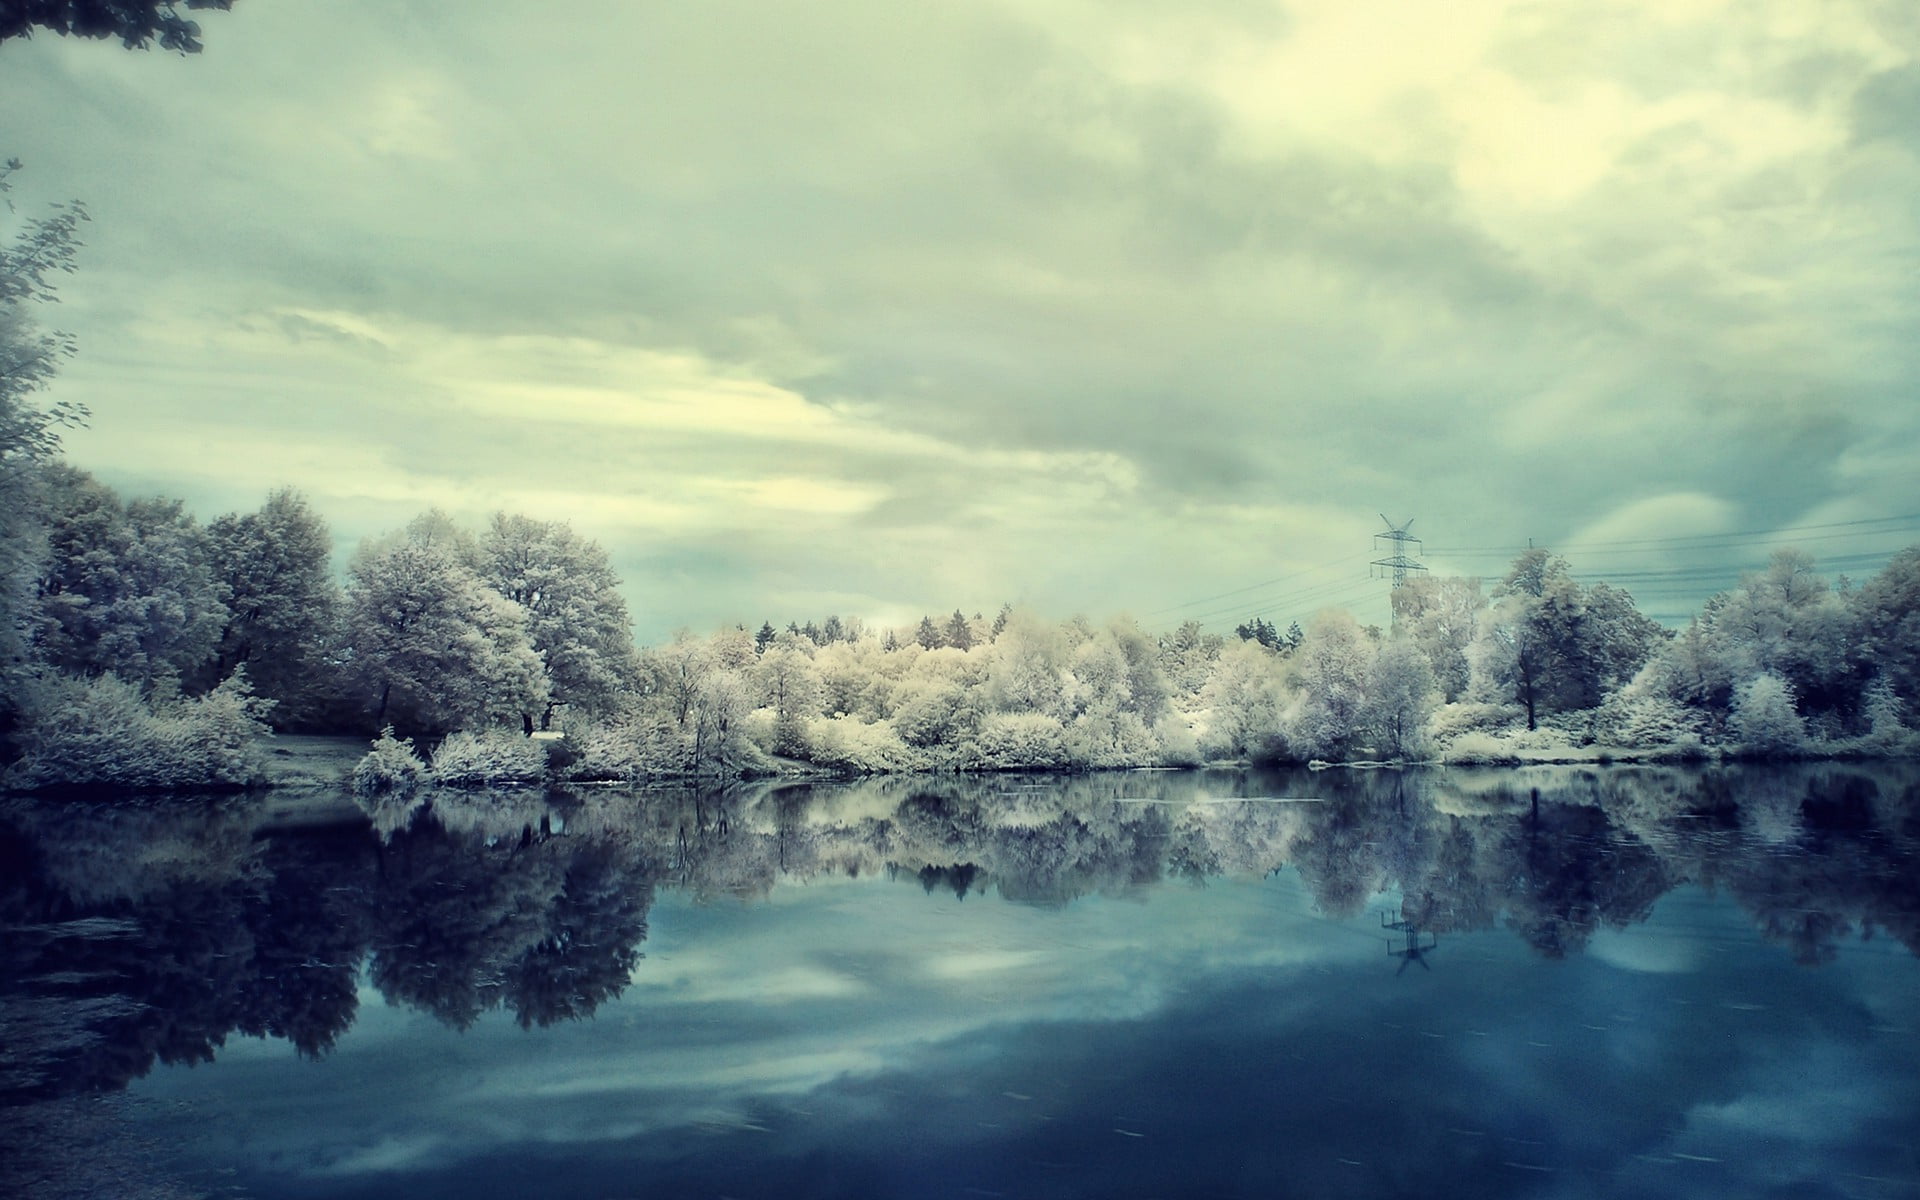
(105, 737)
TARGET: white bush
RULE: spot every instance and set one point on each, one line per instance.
(491, 758)
(634, 747)
(1449, 721)
(1764, 720)
(391, 768)
(1019, 741)
(1178, 746)
(103, 733)
(845, 744)
(1480, 749)
(1109, 739)
(1646, 721)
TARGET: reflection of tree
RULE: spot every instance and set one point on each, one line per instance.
(1456, 892)
(134, 936)
(1034, 856)
(593, 935)
(1573, 872)
(549, 926)
(1338, 858)
(958, 878)
(103, 975)
(1852, 866)
(309, 933)
(1554, 853)
(451, 915)
(160, 982)
(106, 972)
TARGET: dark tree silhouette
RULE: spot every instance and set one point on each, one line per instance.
(137, 23)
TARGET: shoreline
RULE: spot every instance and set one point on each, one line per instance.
(306, 777)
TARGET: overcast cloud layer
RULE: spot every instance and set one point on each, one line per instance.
(883, 309)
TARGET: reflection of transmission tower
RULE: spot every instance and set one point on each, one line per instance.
(1416, 948)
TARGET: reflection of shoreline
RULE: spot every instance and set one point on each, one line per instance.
(306, 776)
(149, 934)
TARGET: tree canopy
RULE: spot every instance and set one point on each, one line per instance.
(137, 23)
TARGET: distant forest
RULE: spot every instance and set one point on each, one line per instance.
(140, 648)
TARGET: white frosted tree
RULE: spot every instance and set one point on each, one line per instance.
(1242, 704)
(788, 683)
(1400, 696)
(1440, 615)
(1187, 658)
(674, 671)
(851, 683)
(721, 700)
(576, 617)
(1330, 669)
(1027, 667)
(1889, 622)
(31, 262)
(1098, 682)
(1764, 720)
(432, 648)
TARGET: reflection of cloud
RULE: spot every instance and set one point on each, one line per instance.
(706, 979)
(1631, 952)
(765, 1073)
(389, 1154)
(876, 1030)
(973, 964)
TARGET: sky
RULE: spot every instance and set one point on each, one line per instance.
(881, 309)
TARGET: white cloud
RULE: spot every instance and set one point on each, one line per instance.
(1678, 514)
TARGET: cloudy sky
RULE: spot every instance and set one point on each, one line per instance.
(881, 309)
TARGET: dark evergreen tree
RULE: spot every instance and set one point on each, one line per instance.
(1261, 630)
(1000, 619)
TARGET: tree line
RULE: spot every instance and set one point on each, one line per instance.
(150, 650)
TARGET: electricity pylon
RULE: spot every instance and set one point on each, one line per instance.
(1398, 540)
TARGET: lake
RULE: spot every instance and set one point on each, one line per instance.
(1618, 981)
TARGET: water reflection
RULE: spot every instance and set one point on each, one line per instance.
(143, 935)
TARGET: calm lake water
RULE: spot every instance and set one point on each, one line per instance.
(1548, 982)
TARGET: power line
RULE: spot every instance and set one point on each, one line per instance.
(1695, 581)
(1254, 587)
(1912, 520)
(1291, 599)
(1584, 555)
(1838, 562)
